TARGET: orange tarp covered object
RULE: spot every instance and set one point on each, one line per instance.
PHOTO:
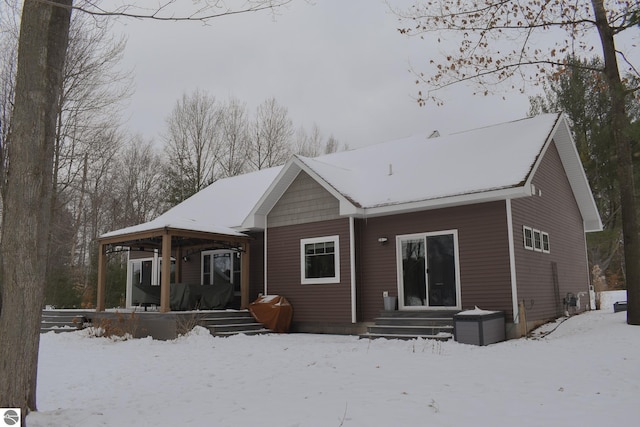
(273, 311)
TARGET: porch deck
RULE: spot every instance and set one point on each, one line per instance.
(163, 326)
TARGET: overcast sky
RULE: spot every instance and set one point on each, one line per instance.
(340, 64)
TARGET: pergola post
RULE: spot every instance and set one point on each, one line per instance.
(165, 282)
(102, 278)
(244, 276)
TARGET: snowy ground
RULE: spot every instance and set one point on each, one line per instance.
(586, 372)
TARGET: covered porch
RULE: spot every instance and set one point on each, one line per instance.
(177, 241)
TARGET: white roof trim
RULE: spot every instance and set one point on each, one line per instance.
(574, 170)
(257, 216)
(447, 202)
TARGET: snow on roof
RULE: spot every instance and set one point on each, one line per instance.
(397, 173)
(421, 168)
(218, 208)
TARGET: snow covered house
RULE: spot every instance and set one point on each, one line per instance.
(494, 218)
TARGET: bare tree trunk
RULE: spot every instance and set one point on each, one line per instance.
(622, 140)
(25, 224)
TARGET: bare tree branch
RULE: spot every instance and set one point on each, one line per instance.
(163, 11)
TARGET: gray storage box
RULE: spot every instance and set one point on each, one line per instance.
(479, 327)
(619, 306)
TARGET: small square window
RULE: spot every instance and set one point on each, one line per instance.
(537, 240)
(320, 260)
(545, 243)
(527, 233)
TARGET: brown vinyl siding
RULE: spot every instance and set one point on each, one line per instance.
(554, 211)
(190, 270)
(483, 250)
(311, 303)
(304, 201)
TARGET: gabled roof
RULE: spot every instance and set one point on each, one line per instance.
(416, 173)
(491, 163)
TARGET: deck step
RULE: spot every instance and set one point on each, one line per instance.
(247, 332)
(62, 320)
(409, 329)
(234, 327)
(438, 337)
(227, 323)
(434, 325)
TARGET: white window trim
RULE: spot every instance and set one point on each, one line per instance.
(213, 252)
(399, 279)
(524, 237)
(543, 236)
(536, 248)
(323, 280)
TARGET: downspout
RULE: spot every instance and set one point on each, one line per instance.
(352, 262)
(512, 263)
(265, 256)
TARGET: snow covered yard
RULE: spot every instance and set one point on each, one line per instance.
(587, 372)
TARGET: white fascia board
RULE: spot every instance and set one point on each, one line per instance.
(256, 219)
(570, 159)
(446, 202)
(346, 206)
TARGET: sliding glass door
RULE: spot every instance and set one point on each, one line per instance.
(428, 270)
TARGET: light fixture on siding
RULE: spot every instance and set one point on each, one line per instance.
(383, 240)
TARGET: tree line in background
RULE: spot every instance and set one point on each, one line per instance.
(580, 90)
(206, 140)
(105, 178)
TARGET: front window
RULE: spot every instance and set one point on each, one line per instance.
(320, 260)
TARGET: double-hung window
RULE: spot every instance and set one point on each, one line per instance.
(528, 237)
(320, 260)
(537, 240)
(545, 243)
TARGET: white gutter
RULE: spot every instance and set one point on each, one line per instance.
(512, 264)
(352, 261)
(439, 203)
